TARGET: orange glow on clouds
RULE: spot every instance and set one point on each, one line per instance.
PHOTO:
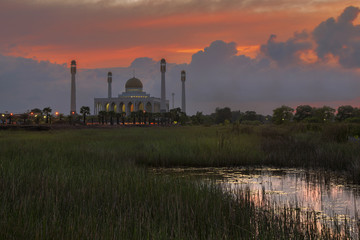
(308, 56)
(177, 36)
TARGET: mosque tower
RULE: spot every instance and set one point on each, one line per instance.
(163, 94)
(183, 102)
(173, 101)
(109, 79)
(73, 88)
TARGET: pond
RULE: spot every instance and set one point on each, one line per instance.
(326, 193)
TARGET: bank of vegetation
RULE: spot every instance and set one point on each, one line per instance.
(93, 183)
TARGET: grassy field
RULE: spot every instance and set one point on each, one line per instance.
(94, 184)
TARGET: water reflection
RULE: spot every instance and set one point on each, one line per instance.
(326, 193)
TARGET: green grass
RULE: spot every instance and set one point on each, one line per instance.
(94, 184)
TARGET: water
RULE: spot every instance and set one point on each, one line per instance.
(328, 194)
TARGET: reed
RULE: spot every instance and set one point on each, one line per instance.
(93, 184)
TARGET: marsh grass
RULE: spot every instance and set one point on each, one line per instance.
(327, 147)
(92, 184)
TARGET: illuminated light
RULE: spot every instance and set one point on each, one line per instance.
(57, 113)
(35, 115)
(283, 119)
(3, 115)
(72, 113)
(11, 114)
(31, 113)
(44, 116)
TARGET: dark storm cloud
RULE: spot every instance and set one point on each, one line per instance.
(340, 38)
(288, 52)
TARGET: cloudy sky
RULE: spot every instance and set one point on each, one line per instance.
(248, 54)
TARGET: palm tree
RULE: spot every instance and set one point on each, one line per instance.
(175, 114)
(146, 118)
(85, 110)
(101, 116)
(118, 116)
(111, 114)
(140, 115)
(24, 117)
(156, 118)
(46, 111)
(133, 116)
(123, 114)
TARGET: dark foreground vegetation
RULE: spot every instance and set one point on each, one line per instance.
(94, 184)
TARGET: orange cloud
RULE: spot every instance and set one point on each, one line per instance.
(112, 37)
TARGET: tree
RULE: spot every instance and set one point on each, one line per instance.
(123, 115)
(198, 118)
(102, 115)
(140, 116)
(303, 112)
(323, 114)
(3, 118)
(250, 116)
(236, 116)
(156, 117)
(47, 112)
(111, 114)
(85, 110)
(36, 111)
(175, 114)
(282, 114)
(118, 116)
(24, 117)
(222, 114)
(133, 117)
(183, 118)
(345, 112)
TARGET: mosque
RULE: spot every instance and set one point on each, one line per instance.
(133, 99)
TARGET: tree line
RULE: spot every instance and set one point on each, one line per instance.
(281, 115)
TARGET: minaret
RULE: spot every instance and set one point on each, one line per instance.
(183, 102)
(173, 101)
(163, 94)
(109, 84)
(73, 88)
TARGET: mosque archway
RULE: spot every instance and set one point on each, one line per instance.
(122, 107)
(98, 107)
(148, 107)
(107, 107)
(113, 107)
(131, 107)
(140, 106)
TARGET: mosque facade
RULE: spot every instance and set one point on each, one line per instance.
(132, 100)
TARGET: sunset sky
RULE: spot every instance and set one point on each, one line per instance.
(245, 54)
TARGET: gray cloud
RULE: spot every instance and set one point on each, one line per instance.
(340, 38)
(217, 76)
(288, 52)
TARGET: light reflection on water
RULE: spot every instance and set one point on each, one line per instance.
(326, 193)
